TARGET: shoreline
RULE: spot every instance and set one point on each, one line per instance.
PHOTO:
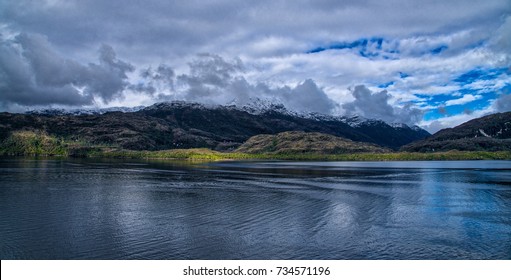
(202, 154)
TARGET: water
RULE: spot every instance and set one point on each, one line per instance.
(85, 209)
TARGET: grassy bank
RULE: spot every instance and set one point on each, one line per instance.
(38, 143)
(30, 143)
(206, 154)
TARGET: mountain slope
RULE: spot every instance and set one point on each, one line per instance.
(189, 125)
(489, 133)
(297, 142)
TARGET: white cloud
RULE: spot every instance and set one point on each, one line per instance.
(375, 105)
(272, 38)
(463, 100)
(501, 104)
(433, 126)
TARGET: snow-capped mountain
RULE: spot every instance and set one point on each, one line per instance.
(256, 106)
(178, 124)
(83, 111)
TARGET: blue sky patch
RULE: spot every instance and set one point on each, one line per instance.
(466, 92)
(441, 100)
(403, 75)
(484, 95)
(435, 100)
(438, 50)
(434, 114)
(479, 74)
(360, 44)
(385, 85)
(506, 89)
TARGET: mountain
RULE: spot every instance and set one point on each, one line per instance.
(298, 142)
(78, 112)
(191, 125)
(489, 133)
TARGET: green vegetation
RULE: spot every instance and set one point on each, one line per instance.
(207, 154)
(188, 154)
(299, 142)
(403, 156)
(39, 143)
(32, 143)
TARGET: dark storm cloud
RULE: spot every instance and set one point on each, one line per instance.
(503, 103)
(212, 79)
(376, 106)
(142, 28)
(160, 28)
(211, 69)
(159, 79)
(33, 73)
(107, 79)
(271, 36)
(307, 96)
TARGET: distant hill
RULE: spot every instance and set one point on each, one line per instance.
(489, 133)
(298, 142)
(190, 125)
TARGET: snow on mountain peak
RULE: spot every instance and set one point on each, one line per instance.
(399, 125)
(255, 106)
(83, 111)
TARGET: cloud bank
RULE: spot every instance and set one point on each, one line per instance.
(424, 62)
(32, 73)
(214, 80)
(376, 106)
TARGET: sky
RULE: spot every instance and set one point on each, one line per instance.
(435, 64)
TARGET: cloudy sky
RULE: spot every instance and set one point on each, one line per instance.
(432, 63)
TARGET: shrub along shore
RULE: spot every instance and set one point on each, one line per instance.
(28, 143)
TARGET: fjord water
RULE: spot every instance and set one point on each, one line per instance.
(99, 209)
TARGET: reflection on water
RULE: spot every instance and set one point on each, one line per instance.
(84, 209)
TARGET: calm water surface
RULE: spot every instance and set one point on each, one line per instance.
(90, 209)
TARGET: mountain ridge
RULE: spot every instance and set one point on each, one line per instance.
(488, 133)
(193, 125)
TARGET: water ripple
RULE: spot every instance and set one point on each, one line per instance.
(81, 209)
